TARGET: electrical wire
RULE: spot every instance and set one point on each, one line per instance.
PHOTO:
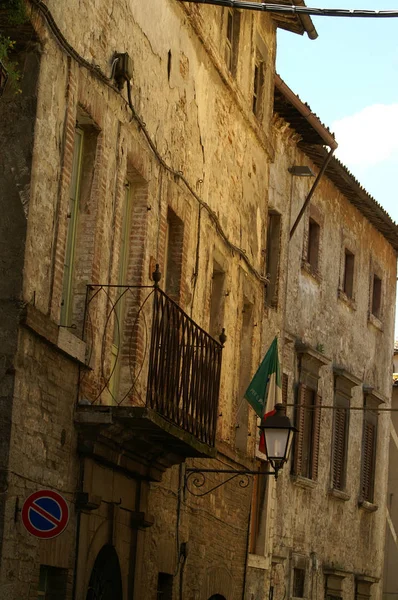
(303, 10)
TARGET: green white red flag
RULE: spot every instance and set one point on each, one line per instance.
(265, 389)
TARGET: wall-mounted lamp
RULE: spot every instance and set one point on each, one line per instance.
(301, 171)
(278, 437)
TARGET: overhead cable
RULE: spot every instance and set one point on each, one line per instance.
(303, 10)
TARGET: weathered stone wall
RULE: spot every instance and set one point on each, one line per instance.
(201, 121)
(322, 529)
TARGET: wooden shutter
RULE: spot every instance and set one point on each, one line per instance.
(368, 459)
(285, 384)
(339, 445)
(316, 432)
(299, 422)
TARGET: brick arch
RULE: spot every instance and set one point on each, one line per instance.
(219, 584)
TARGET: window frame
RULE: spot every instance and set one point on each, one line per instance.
(368, 465)
(348, 282)
(71, 235)
(231, 39)
(341, 423)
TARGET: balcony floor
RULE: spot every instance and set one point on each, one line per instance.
(135, 439)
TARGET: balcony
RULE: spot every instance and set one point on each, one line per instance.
(153, 383)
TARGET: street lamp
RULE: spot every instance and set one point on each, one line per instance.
(278, 435)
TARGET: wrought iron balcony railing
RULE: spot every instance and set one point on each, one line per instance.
(144, 350)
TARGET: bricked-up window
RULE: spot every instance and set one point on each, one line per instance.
(165, 587)
(298, 583)
(368, 461)
(258, 85)
(232, 39)
(340, 442)
(273, 255)
(348, 282)
(376, 296)
(258, 516)
(308, 422)
(314, 231)
(173, 256)
(52, 583)
(217, 300)
(120, 300)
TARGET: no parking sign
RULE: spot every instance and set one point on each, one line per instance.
(45, 514)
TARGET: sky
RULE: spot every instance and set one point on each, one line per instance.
(349, 77)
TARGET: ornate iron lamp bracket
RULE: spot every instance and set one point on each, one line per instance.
(196, 479)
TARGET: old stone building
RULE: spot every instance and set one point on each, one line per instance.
(147, 134)
(328, 530)
(141, 136)
(390, 577)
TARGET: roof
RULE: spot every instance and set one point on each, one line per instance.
(314, 137)
(297, 23)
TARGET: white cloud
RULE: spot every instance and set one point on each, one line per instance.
(368, 137)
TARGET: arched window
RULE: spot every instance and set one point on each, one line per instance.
(217, 597)
(106, 578)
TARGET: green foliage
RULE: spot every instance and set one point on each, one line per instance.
(16, 11)
(16, 15)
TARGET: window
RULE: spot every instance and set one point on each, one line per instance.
(217, 301)
(173, 255)
(272, 263)
(348, 281)
(258, 514)
(52, 583)
(298, 583)
(245, 373)
(232, 39)
(285, 388)
(334, 586)
(376, 297)
(258, 85)
(313, 245)
(165, 587)
(362, 588)
(340, 440)
(74, 191)
(81, 216)
(368, 455)
(308, 421)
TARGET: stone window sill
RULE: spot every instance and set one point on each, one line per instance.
(305, 266)
(375, 321)
(304, 482)
(257, 561)
(350, 302)
(339, 494)
(60, 337)
(368, 506)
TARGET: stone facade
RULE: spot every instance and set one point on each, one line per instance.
(187, 169)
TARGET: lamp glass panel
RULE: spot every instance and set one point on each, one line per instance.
(276, 441)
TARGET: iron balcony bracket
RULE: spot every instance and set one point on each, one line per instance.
(196, 479)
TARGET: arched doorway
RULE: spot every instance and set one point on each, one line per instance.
(106, 578)
(217, 597)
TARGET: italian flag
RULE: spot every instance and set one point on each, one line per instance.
(265, 389)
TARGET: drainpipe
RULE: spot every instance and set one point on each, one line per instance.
(312, 191)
